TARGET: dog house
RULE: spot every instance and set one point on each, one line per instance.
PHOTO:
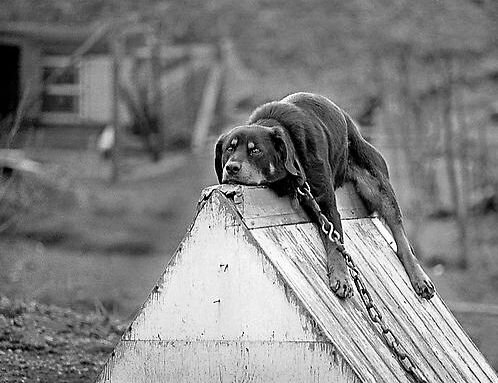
(245, 298)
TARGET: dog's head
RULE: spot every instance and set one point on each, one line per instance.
(257, 155)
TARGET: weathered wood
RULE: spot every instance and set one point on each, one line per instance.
(448, 327)
(246, 298)
(260, 207)
(342, 321)
(226, 361)
(413, 323)
(221, 312)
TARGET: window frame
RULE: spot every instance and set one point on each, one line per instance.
(57, 89)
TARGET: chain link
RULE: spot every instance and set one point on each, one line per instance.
(390, 339)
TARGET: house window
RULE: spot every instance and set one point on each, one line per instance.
(61, 96)
(69, 76)
(60, 103)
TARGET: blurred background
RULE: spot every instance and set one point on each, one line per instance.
(109, 111)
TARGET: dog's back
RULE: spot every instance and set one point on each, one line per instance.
(321, 108)
(332, 135)
(360, 152)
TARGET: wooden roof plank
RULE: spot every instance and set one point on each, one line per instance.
(444, 360)
(478, 365)
(428, 316)
(422, 331)
(333, 315)
(361, 320)
(419, 340)
(314, 259)
(441, 320)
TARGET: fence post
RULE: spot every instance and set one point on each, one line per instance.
(117, 56)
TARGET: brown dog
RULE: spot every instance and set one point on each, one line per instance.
(306, 137)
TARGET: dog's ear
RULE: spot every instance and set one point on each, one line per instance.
(286, 149)
(218, 154)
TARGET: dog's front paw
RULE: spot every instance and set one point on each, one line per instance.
(342, 287)
(338, 276)
(422, 284)
(424, 288)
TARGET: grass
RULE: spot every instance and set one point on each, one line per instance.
(110, 249)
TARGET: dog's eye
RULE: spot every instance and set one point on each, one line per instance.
(230, 149)
(254, 151)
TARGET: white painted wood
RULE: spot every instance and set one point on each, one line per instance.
(260, 207)
(220, 286)
(96, 88)
(245, 298)
(226, 361)
(221, 312)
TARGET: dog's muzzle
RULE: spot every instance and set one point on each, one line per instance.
(236, 172)
(232, 168)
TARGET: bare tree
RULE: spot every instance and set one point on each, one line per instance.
(451, 144)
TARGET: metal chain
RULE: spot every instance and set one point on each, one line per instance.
(373, 311)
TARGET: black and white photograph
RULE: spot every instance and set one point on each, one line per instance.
(249, 191)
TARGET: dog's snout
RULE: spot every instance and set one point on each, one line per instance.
(233, 167)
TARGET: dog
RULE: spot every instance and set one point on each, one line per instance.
(307, 138)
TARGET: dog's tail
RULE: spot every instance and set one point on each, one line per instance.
(362, 152)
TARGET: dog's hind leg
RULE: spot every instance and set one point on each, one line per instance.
(378, 195)
(339, 281)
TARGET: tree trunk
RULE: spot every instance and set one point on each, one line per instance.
(465, 219)
(410, 126)
(117, 57)
(156, 139)
(388, 118)
(450, 140)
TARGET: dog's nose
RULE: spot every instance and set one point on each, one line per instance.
(233, 168)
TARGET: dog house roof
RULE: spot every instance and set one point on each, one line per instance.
(245, 297)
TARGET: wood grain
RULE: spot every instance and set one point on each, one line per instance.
(245, 299)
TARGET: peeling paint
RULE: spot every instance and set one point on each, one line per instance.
(240, 303)
(212, 361)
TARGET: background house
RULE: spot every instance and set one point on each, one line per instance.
(62, 79)
(31, 53)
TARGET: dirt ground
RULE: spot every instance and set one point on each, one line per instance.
(46, 343)
(71, 280)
